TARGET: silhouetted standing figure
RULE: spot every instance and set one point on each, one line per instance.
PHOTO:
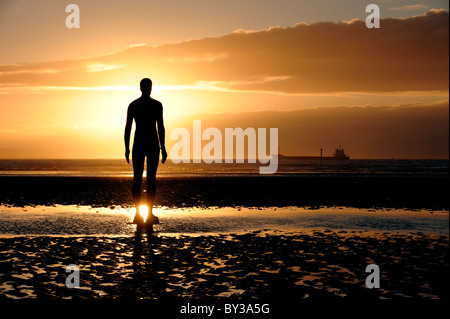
(147, 113)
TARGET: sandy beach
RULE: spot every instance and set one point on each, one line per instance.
(285, 241)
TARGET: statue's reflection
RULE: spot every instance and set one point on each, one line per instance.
(148, 279)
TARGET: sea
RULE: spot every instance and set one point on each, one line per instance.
(120, 168)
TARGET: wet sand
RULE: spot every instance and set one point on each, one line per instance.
(285, 266)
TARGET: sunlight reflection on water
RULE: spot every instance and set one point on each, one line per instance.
(86, 220)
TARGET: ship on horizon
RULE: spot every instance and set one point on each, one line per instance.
(339, 155)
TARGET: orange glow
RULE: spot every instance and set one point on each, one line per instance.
(143, 211)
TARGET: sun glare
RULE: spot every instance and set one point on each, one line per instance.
(143, 210)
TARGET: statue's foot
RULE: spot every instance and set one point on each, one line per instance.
(138, 219)
(152, 220)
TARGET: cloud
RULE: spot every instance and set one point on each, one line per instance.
(100, 67)
(29, 71)
(44, 89)
(137, 45)
(411, 7)
(405, 55)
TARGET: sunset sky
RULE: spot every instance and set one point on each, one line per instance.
(309, 68)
